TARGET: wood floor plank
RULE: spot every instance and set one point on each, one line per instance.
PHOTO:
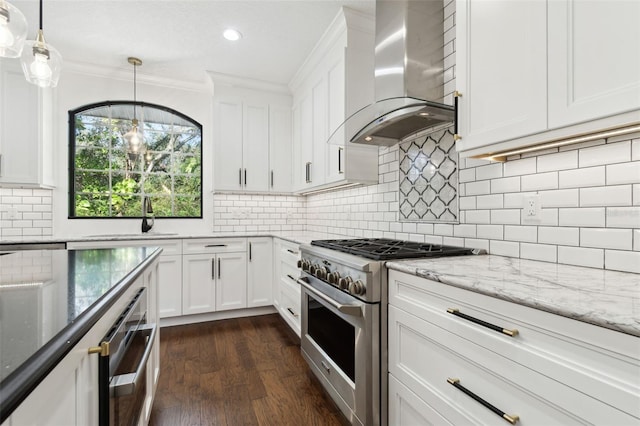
(244, 371)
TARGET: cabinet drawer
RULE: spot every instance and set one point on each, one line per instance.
(290, 304)
(213, 245)
(290, 274)
(290, 253)
(424, 356)
(600, 362)
(169, 247)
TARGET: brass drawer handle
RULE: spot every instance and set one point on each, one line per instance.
(456, 312)
(511, 418)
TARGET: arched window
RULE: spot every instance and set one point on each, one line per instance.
(109, 180)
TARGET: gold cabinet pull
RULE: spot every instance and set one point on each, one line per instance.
(511, 418)
(508, 332)
(103, 349)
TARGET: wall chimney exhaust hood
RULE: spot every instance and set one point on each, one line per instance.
(409, 76)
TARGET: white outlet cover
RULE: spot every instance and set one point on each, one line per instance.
(531, 209)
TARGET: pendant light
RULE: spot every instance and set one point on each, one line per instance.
(134, 138)
(13, 30)
(41, 62)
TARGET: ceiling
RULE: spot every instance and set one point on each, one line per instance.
(183, 38)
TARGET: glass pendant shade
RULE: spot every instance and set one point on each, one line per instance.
(41, 62)
(13, 30)
(134, 140)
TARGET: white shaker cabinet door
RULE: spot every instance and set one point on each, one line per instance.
(255, 152)
(594, 60)
(228, 144)
(501, 70)
(231, 281)
(260, 272)
(170, 286)
(199, 283)
(280, 152)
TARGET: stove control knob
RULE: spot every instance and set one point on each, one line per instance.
(301, 263)
(313, 268)
(343, 283)
(333, 278)
(321, 272)
(304, 264)
(357, 288)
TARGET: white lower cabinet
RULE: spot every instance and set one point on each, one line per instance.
(260, 272)
(554, 370)
(286, 291)
(214, 282)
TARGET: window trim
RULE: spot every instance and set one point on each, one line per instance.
(72, 153)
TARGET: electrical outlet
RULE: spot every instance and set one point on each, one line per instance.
(531, 208)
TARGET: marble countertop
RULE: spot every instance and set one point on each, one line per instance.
(49, 299)
(298, 237)
(606, 298)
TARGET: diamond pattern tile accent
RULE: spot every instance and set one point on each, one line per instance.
(429, 179)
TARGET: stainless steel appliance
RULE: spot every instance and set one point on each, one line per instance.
(344, 318)
(123, 365)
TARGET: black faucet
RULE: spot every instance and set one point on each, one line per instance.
(147, 214)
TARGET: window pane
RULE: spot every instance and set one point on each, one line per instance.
(187, 206)
(109, 181)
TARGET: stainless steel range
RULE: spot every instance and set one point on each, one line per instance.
(344, 318)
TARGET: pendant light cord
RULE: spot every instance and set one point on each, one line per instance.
(134, 90)
(40, 14)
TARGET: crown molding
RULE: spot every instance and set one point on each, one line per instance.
(125, 74)
(247, 83)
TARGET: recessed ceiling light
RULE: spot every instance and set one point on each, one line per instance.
(424, 114)
(368, 138)
(231, 34)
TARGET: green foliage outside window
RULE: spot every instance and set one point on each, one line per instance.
(108, 181)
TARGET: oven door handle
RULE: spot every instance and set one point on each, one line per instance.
(353, 310)
(125, 384)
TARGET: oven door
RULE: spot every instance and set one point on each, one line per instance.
(340, 341)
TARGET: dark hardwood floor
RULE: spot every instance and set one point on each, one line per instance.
(244, 371)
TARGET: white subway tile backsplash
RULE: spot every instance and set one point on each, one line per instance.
(477, 188)
(620, 239)
(623, 217)
(543, 252)
(605, 154)
(510, 184)
(636, 194)
(559, 235)
(490, 171)
(468, 231)
(559, 161)
(581, 178)
(582, 217)
(495, 201)
(525, 166)
(560, 198)
(619, 195)
(539, 181)
(623, 173)
(636, 239)
(443, 229)
(467, 203)
(521, 233)
(592, 258)
(477, 216)
(476, 244)
(505, 217)
(635, 150)
(467, 175)
(491, 232)
(504, 248)
(626, 261)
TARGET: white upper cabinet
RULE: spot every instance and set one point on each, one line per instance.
(501, 70)
(26, 119)
(252, 140)
(594, 59)
(535, 71)
(335, 81)
(280, 152)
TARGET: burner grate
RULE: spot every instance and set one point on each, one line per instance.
(388, 249)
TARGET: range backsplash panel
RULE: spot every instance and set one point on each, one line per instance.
(428, 174)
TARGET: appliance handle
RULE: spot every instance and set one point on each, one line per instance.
(353, 310)
(125, 384)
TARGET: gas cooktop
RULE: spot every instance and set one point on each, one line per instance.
(388, 249)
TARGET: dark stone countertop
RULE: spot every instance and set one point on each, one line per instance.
(49, 299)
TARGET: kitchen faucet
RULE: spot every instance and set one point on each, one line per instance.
(147, 213)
